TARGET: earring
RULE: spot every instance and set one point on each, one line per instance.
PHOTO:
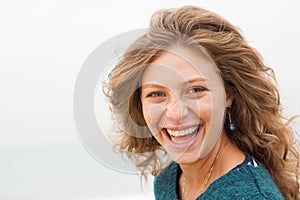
(231, 126)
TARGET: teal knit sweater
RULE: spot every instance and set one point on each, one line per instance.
(248, 182)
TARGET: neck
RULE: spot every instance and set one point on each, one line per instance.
(200, 179)
(195, 174)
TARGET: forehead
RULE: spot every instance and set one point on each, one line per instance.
(180, 64)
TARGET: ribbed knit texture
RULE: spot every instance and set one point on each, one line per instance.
(246, 183)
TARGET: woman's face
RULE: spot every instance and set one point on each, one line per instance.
(184, 102)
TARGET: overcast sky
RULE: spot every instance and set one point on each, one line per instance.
(43, 45)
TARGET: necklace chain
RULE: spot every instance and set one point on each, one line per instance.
(207, 177)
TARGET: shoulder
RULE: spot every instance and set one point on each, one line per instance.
(248, 182)
(166, 182)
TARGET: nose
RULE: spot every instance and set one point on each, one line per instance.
(176, 111)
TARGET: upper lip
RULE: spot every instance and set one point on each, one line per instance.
(179, 128)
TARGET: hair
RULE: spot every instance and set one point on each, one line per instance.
(262, 130)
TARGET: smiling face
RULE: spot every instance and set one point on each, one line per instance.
(183, 100)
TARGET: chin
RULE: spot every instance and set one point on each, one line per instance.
(188, 157)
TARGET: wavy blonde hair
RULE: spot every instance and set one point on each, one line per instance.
(262, 131)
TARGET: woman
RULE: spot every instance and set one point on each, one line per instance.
(193, 88)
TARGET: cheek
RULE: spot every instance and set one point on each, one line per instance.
(146, 112)
(153, 114)
(202, 108)
(205, 113)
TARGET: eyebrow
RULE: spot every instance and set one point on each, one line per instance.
(195, 80)
(154, 85)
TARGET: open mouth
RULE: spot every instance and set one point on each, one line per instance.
(182, 138)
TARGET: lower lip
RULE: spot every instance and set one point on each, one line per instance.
(182, 145)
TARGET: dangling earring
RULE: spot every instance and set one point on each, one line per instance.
(231, 126)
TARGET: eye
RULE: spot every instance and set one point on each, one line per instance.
(194, 90)
(156, 94)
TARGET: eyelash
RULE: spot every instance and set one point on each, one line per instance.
(199, 89)
(159, 94)
(156, 94)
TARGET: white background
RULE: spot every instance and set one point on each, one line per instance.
(42, 47)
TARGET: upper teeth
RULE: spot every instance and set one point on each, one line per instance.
(182, 132)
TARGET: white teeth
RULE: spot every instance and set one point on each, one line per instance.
(182, 132)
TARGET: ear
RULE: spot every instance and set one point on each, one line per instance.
(229, 100)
